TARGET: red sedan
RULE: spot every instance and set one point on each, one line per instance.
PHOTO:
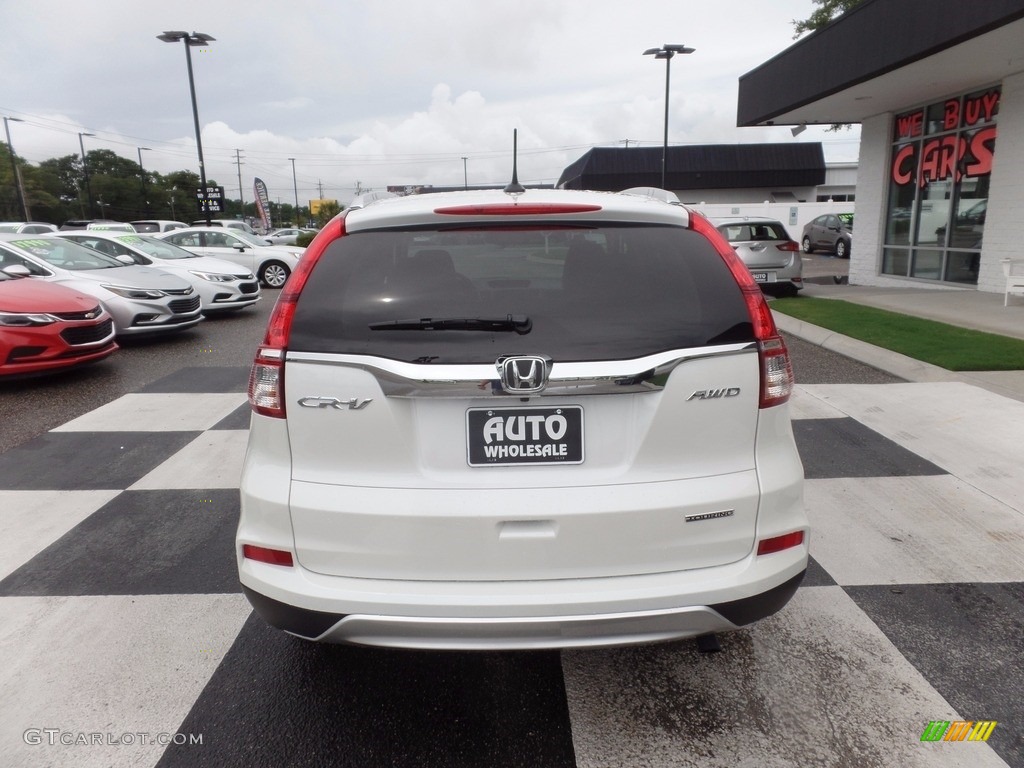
(46, 327)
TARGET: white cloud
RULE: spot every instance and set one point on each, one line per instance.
(381, 93)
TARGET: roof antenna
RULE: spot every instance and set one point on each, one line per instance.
(515, 188)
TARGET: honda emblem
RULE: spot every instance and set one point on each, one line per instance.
(524, 374)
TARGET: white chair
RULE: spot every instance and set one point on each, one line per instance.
(1014, 271)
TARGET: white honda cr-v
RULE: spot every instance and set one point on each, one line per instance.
(539, 420)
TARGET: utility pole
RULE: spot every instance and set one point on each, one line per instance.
(295, 187)
(320, 186)
(241, 196)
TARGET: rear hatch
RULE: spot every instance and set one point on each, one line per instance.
(420, 452)
(757, 244)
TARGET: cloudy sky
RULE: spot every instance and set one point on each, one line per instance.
(382, 92)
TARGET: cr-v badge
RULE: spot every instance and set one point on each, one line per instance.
(352, 404)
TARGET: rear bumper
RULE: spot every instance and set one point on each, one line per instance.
(525, 615)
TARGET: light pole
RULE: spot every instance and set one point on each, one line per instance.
(465, 174)
(142, 178)
(666, 52)
(295, 186)
(196, 38)
(14, 166)
(85, 171)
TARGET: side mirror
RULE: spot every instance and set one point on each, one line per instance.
(125, 259)
(17, 270)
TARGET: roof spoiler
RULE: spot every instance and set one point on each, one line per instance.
(366, 198)
(653, 193)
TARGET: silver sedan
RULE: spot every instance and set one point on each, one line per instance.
(141, 300)
(767, 250)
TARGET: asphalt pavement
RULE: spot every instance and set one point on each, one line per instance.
(130, 644)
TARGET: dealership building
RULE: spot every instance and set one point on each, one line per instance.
(938, 88)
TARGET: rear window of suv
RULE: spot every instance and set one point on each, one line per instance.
(616, 292)
(753, 231)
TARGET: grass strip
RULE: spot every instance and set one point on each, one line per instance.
(947, 346)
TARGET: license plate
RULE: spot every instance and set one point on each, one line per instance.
(763, 277)
(497, 437)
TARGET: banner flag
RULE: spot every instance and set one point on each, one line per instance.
(262, 203)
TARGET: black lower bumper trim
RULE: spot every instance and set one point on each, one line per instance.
(299, 621)
(750, 609)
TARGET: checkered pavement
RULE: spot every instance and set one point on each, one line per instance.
(121, 618)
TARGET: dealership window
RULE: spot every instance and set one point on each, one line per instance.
(938, 188)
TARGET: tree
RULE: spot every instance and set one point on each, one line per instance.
(327, 211)
(826, 11)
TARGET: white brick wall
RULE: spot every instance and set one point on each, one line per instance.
(1002, 237)
(872, 188)
(1003, 227)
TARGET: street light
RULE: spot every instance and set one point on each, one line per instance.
(196, 38)
(465, 174)
(666, 52)
(142, 178)
(295, 186)
(14, 166)
(85, 171)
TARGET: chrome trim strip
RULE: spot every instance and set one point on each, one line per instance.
(607, 377)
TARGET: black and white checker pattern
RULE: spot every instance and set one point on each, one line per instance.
(120, 613)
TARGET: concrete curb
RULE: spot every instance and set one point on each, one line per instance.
(1006, 383)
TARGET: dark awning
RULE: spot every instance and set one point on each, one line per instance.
(885, 56)
(708, 166)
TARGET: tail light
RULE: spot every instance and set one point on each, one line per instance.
(779, 543)
(267, 555)
(266, 379)
(789, 245)
(776, 369)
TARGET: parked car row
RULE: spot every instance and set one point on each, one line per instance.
(223, 286)
(68, 295)
(26, 227)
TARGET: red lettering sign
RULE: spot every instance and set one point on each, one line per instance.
(939, 159)
(982, 148)
(980, 108)
(910, 124)
(951, 117)
(903, 165)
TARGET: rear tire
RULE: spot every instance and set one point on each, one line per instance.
(808, 248)
(274, 274)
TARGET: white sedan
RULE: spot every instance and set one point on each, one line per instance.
(286, 236)
(271, 263)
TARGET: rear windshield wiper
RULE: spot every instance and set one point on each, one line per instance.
(518, 323)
